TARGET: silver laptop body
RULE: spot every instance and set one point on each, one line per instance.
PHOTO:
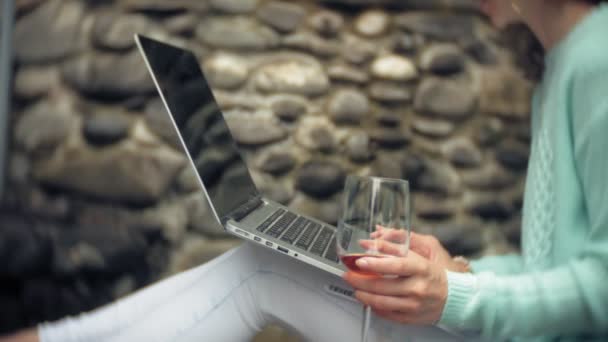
(222, 172)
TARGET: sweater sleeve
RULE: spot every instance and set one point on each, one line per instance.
(499, 264)
(571, 298)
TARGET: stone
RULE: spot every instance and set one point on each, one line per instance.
(438, 25)
(94, 248)
(234, 6)
(124, 172)
(35, 81)
(255, 131)
(490, 177)
(407, 43)
(348, 106)
(275, 190)
(512, 230)
(324, 140)
(201, 218)
(389, 118)
(326, 23)
(182, 24)
(490, 132)
(461, 238)
(277, 163)
(282, 16)
(225, 71)
(389, 93)
(439, 178)
(505, 94)
(104, 75)
(51, 32)
(386, 167)
(372, 23)
(513, 156)
(302, 76)
(310, 129)
(442, 59)
(462, 153)
(288, 107)
(158, 121)
(358, 147)
(358, 51)
(481, 52)
(390, 138)
(115, 31)
(320, 179)
(310, 42)
(346, 73)
(102, 130)
(326, 210)
(161, 7)
(196, 250)
(446, 99)
(171, 218)
(187, 181)
(433, 208)
(413, 167)
(523, 133)
(394, 68)
(239, 33)
(25, 246)
(443, 5)
(43, 128)
(490, 208)
(433, 128)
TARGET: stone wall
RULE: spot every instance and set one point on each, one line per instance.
(102, 200)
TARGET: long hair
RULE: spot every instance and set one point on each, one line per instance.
(528, 51)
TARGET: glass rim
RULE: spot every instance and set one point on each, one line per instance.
(383, 179)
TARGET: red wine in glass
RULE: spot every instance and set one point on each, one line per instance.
(350, 261)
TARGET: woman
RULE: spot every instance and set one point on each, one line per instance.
(555, 290)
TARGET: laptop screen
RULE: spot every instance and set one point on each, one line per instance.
(201, 125)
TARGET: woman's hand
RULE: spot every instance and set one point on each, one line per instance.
(388, 240)
(416, 295)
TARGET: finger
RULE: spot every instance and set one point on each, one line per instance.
(420, 245)
(395, 316)
(381, 286)
(413, 264)
(384, 247)
(386, 303)
(393, 234)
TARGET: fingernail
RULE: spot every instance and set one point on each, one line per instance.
(363, 262)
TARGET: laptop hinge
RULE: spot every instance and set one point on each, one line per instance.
(244, 209)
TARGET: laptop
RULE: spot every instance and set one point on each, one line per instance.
(224, 177)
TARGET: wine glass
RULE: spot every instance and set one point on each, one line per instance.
(375, 223)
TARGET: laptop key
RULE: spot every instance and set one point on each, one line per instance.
(294, 231)
(283, 223)
(321, 242)
(308, 236)
(264, 225)
(332, 251)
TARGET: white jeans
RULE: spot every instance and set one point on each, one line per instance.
(231, 299)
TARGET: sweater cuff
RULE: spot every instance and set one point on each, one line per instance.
(461, 289)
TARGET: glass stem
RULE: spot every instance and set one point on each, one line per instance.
(367, 315)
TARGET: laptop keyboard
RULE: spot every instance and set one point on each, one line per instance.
(301, 232)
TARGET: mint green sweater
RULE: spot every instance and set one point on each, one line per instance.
(558, 288)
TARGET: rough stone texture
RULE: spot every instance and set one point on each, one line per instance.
(446, 99)
(237, 33)
(314, 93)
(292, 75)
(42, 38)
